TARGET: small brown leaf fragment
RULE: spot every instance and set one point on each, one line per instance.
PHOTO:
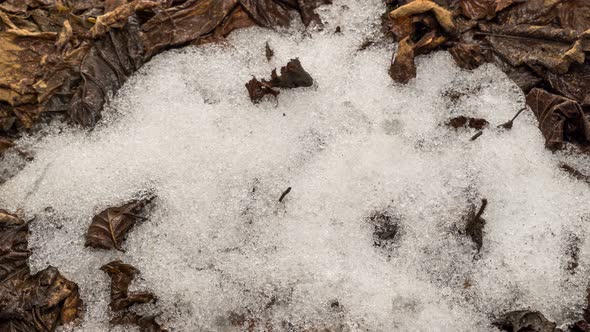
(109, 228)
(269, 52)
(385, 228)
(145, 324)
(121, 276)
(475, 224)
(292, 76)
(524, 320)
(462, 121)
(560, 119)
(338, 30)
(257, 90)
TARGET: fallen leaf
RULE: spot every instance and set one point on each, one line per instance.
(463, 121)
(560, 119)
(121, 276)
(109, 228)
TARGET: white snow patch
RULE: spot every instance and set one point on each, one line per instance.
(218, 240)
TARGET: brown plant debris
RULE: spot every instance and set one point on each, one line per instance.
(121, 276)
(525, 321)
(292, 76)
(109, 228)
(258, 89)
(38, 302)
(463, 121)
(385, 228)
(284, 194)
(575, 173)
(66, 57)
(510, 124)
(474, 224)
(539, 44)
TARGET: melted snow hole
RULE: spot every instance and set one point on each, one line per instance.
(219, 244)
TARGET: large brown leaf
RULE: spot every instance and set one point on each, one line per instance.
(109, 228)
(121, 276)
(37, 302)
(523, 320)
(560, 119)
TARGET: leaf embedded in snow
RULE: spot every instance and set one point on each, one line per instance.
(145, 324)
(121, 276)
(109, 228)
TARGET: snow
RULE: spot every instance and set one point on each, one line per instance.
(218, 241)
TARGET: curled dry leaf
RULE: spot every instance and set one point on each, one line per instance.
(257, 90)
(480, 9)
(109, 228)
(560, 119)
(121, 276)
(37, 302)
(523, 320)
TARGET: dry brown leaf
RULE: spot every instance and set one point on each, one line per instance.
(560, 119)
(121, 276)
(109, 228)
(443, 16)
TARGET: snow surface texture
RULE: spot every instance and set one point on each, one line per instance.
(218, 241)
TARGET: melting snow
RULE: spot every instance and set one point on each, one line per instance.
(218, 242)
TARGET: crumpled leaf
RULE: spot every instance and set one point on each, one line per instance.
(292, 76)
(560, 119)
(258, 89)
(525, 321)
(39, 302)
(109, 228)
(467, 55)
(553, 48)
(574, 14)
(33, 303)
(121, 276)
(443, 16)
(474, 224)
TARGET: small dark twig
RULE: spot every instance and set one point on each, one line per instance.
(284, 194)
(474, 137)
(508, 125)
